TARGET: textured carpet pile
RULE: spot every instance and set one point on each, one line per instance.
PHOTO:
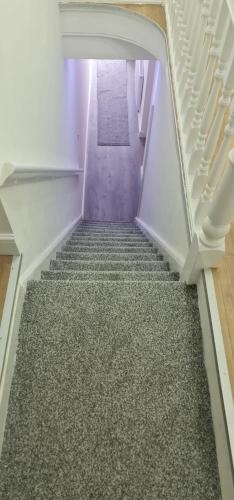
(109, 398)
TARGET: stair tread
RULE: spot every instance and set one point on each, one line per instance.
(107, 256)
(106, 237)
(108, 243)
(115, 275)
(115, 249)
(116, 265)
(108, 231)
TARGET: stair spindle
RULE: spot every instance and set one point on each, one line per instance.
(203, 169)
(216, 171)
(217, 224)
(196, 40)
(204, 92)
(197, 151)
(193, 84)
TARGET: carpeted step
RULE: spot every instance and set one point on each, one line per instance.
(110, 275)
(107, 224)
(105, 256)
(109, 265)
(108, 243)
(110, 232)
(104, 248)
(109, 396)
(102, 237)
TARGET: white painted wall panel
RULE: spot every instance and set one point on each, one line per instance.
(162, 202)
(40, 211)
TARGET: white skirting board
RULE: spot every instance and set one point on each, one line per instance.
(43, 260)
(12, 314)
(219, 384)
(175, 260)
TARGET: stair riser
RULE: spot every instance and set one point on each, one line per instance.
(108, 266)
(107, 256)
(77, 249)
(108, 276)
(107, 238)
(113, 225)
(109, 243)
(110, 232)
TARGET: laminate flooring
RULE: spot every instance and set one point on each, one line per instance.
(113, 172)
(224, 280)
(5, 268)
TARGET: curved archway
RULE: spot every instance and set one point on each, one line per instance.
(92, 24)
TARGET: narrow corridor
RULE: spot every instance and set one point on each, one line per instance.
(113, 172)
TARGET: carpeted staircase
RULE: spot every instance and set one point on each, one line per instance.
(109, 398)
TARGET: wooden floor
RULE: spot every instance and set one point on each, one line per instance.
(154, 12)
(5, 267)
(113, 172)
(224, 286)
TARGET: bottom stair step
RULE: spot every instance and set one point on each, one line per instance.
(109, 398)
(110, 275)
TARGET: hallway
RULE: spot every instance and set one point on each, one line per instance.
(113, 172)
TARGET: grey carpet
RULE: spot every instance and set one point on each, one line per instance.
(109, 398)
(112, 116)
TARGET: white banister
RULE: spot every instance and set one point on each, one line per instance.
(211, 144)
(208, 245)
(183, 27)
(216, 171)
(214, 53)
(195, 47)
(178, 17)
(185, 58)
(193, 85)
(184, 54)
(13, 174)
(204, 76)
(217, 224)
(201, 37)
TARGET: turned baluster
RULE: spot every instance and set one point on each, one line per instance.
(208, 244)
(216, 170)
(221, 213)
(198, 148)
(205, 88)
(193, 84)
(196, 48)
(203, 169)
(191, 30)
(184, 54)
(173, 14)
(182, 37)
(195, 40)
(171, 10)
(178, 17)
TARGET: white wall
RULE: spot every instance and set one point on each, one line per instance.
(39, 212)
(162, 207)
(43, 101)
(32, 125)
(76, 83)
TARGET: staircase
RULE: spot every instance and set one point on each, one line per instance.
(109, 398)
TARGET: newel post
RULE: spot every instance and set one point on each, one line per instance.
(208, 245)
